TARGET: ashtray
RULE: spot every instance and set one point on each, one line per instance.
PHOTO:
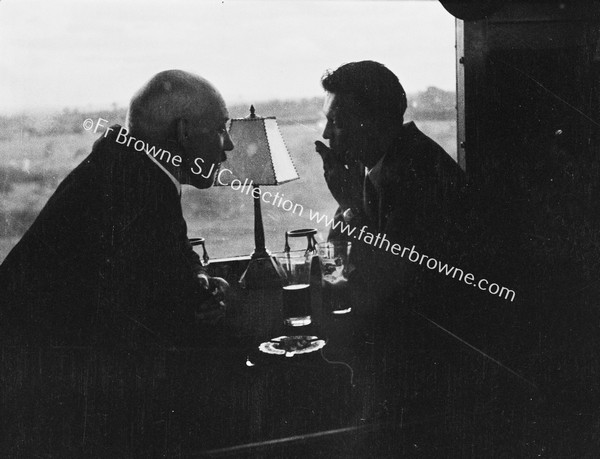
(292, 345)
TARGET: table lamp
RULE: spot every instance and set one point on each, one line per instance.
(259, 158)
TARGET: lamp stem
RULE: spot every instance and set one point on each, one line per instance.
(259, 232)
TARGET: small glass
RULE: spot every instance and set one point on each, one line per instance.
(308, 233)
(195, 241)
(334, 260)
(294, 270)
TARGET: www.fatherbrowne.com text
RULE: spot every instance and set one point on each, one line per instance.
(381, 242)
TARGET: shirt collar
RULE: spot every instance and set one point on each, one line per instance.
(171, 176)
(375, 174)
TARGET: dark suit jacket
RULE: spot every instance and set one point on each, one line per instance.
(420, 204)
(422, 193)
(106, 259)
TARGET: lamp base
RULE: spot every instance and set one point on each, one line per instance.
(261, 272)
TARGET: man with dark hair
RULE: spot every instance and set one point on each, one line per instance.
(373, 86)
(108, 260)
(394, 185)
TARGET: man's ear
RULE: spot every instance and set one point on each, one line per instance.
(368, 125)
(182, 132)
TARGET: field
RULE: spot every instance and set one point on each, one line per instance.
(31, 167)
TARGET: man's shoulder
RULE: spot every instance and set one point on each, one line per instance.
(417, 156)
(103, 178)
(123, 168)
(420, 163)
(105, 153)
(419, 146)
(109, 148)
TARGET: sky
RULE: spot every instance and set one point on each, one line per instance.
(91, 54)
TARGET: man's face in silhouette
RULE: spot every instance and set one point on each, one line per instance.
(349, 132)
(206, 140)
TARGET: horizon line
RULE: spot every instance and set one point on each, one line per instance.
(115, 106)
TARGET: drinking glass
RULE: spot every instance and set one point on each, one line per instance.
(194, 241)
(333, 258)
(294, 270)
(308, 233)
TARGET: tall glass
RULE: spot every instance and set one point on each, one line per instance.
(294, 269)
(334, 260)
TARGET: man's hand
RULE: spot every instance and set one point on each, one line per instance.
(345, 181)
(212, 310)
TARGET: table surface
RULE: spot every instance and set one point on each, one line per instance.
(412, 391)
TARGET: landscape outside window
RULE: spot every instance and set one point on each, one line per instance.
(42, 137)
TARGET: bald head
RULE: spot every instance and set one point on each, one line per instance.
(167, 97)
(186, 115)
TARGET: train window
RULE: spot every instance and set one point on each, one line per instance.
(78, 62)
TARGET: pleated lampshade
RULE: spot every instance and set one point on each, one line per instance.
(260, 156)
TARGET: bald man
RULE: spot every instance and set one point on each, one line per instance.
(108, 258)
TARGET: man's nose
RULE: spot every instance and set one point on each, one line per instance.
(227, 143)
(327, 131)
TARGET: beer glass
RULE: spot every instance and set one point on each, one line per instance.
(294, 270)
(333, 258)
